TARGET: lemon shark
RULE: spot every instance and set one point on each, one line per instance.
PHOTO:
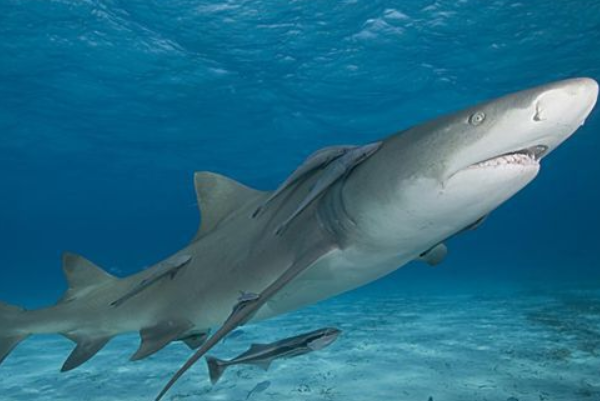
(347, 216)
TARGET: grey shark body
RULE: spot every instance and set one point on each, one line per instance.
(262, 355)
(372, 216)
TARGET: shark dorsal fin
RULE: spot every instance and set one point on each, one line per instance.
(218, 197)
(82, 275)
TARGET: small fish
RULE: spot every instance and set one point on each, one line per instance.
(317, 160)
(168, 268)
(333, 171)
(262, 355)
(259, 388)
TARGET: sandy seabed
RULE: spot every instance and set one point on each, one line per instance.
(525, 346)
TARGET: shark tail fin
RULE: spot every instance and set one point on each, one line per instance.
(9, 334)
(216, 368)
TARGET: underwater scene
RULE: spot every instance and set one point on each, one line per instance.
(302, 200)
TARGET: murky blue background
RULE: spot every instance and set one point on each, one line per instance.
(108, 107)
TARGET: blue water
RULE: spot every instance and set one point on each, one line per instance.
(108, 107)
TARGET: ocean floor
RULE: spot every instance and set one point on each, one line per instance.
(531, 346)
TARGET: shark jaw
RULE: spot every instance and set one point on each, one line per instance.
(525, 158)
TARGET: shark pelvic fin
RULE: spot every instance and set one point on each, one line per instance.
(435, 255)
(86, 348)
(218, 197)
(157, 337)
(82, 276)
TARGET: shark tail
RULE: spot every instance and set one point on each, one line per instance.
(10, 337)
(216, 368)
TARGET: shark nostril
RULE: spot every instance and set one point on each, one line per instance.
(538, 116)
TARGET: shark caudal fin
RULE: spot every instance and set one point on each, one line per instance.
(216, 367)
(9, 335)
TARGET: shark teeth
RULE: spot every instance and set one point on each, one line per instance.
(520, 159)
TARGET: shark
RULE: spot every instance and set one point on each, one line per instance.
(346, 217)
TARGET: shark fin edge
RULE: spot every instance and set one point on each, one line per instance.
(194, 341)
(82, 276)
(434, 256)
(159, 336)
(85, 349)
(218, 197)
(9, 338)
(216, 368)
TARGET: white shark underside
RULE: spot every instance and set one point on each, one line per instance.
(352, 214)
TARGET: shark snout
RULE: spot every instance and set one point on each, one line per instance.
(566, 102)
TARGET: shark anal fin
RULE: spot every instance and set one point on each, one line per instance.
(194, 341)
(157, 337)
(435, 255)
(167, 269)
(316, 160)
(82, 276)
(86, 348)
(244, 310)
(218, 197)
(334, 171)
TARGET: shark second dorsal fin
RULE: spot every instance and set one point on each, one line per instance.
(82, 276)
(218, 197)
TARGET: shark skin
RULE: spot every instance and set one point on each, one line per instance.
(419, 188)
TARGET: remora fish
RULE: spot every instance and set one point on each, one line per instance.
(399, 204)
(262, 355)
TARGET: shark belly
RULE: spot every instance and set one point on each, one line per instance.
(340, 272)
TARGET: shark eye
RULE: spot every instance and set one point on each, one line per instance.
(477, 118)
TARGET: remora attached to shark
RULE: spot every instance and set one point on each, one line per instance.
(349, 216)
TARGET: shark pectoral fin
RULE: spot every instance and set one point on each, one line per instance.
(218, 197)
(435, 255)
(264, 364)
(244, 310)
(82, 276)
(334, 171)
(194, 341)
(86, 348)
(317, 160)
(169, 269)
(157, 337)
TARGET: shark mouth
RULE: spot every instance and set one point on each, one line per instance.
(524, 157)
